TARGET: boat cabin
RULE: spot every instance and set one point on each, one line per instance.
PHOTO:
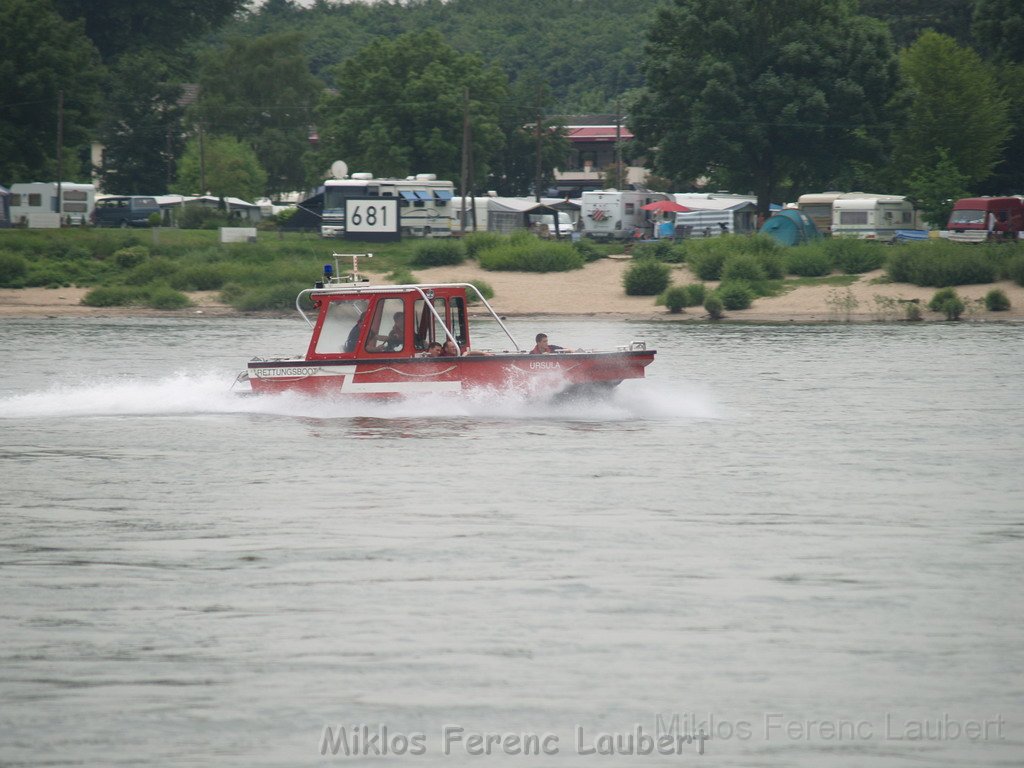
(361, 322)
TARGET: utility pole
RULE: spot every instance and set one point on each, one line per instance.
(202, 163)
(537, 170)
(60, 148)
(618, 146)
(466, 157)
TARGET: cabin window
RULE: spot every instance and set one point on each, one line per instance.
(35, 199)
(75, 194)
(458, 320)
(630, 209)
(427, 326)
(16, 201)
(853, 217)
(341, 327)
(906, 217)
(967, 216)
(387, 328)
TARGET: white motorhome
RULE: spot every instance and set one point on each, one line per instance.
(425, 204)
(875, 217)
(613, 214)
(35, 204)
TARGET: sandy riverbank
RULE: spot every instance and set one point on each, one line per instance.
(594, 290)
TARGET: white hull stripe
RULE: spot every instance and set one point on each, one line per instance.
(348, 386)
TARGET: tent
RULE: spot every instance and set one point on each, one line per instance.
(791, 227)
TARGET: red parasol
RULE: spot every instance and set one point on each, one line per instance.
(665, 206)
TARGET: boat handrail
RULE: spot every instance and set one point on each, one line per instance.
(404, 288)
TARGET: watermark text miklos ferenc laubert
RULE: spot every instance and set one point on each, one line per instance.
(675, 734)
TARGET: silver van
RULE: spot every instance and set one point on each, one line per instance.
(124, 211)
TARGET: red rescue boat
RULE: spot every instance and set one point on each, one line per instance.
(381, 341)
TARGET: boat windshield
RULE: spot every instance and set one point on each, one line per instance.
(387, 328)
(341, 326)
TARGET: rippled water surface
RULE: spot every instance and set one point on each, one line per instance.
(805, 542)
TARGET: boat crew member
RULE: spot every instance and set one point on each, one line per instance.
(544, 348)
(450, 349)
(433, 350)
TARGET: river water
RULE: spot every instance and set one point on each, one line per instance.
(804, 543)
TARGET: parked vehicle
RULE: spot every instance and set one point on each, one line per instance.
(124, 211)
(35, 203)
(817, 207)
(612, 214)
(982, 218)
(876, 217)
(425, 206)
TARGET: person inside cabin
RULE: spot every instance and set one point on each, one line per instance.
(450, 349)
(433, 350)
(396, 336)
(543, 347)
(353, 335)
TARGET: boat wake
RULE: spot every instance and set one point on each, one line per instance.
(190, 394)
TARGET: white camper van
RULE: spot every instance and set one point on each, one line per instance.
(35, 204)
(877, 217)
(612, 214)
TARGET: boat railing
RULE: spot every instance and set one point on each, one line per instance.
(421, 290)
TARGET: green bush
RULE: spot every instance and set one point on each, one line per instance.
(402, 276)
(438, 253)
(713, 306)
(695, 294)
(914, 311)
(47, 274)
(475, 242)
(1013, 269)
(773, 263)
(199, 277)
(201, 217)
(941, 264)
(707, 264)
(662, 250)
(263, 298)
(675, 298)
(132, 256)
(13, 269)
(646, 277)
(485, 290)
(155, 219)
(808, 261)
(853, 257)
(112, 296)
(743, 266)
(996, 301)
(948, 302)
(736, 294)
(587, 250)
(152, 271)
(531, 255)
(165, 297)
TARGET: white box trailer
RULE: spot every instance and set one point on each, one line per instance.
(877, 217)
(30, 199)
(613, 214)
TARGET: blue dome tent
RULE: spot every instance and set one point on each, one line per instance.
(791, 227)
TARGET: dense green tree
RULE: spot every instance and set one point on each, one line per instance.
(758, 94)
(936, 188)
(907, 19)
(141, 132)
(515, 169)
(261, 91)
(42, 55)
(399, 109)
(999, 29)
(228, 166)
(956, 107)
(116, 26)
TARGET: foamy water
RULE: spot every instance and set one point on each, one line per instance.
(780, 527)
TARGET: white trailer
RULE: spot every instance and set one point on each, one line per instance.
(426, 207)
(35, 203)
(491, 213)
(875, 217)
(715, 213)
(613, 214)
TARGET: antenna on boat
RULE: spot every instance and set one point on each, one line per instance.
(353, 276)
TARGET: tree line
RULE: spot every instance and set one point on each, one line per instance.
(764, 96)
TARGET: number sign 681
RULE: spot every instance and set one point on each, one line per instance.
(371, 216)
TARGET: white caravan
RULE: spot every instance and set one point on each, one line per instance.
(877, 217)
(35, 204)
(613, 214)
(491, 213)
